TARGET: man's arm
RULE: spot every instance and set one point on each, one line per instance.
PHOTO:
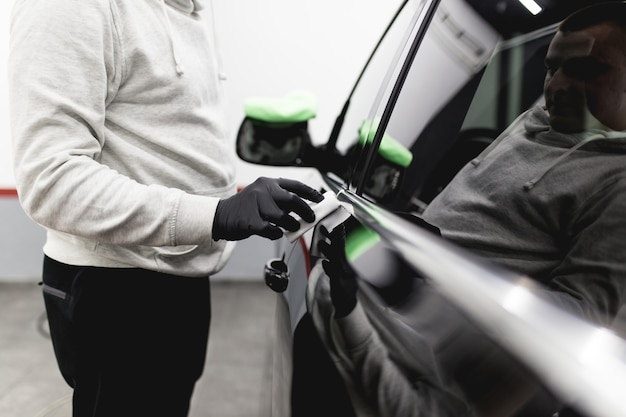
(64, 66)
(591, 280)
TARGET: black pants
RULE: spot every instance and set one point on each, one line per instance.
(131, 342)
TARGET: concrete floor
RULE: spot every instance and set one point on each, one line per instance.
(235, 383)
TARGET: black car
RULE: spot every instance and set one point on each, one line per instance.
(444, 81)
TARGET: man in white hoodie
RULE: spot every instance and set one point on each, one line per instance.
(121, 153)
(547, 199)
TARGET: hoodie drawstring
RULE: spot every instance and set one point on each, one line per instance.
(221, 75)
(521, 121)
(505, 133)
(170, 34)
(530, 184)
(168, 26)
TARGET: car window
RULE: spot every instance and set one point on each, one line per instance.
(366, 95)
(374, 74)
(490, 100)
(466, 83)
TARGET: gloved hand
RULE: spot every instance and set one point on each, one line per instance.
(262, 207)
(343, 284)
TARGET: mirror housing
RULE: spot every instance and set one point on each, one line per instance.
(275, 129)
(275, 144)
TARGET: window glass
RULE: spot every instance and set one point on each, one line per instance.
(465, 85)
(366, 93)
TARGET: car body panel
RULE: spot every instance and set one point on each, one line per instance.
(446, 80)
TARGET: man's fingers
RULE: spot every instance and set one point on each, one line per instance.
(271, 232)
(324, 249)
(288, 223)
(272, 211)
(262, 208)
(338, 234)
(287, 202)
(266, 229)
(298, 206)
(330, 270)
(300, 189)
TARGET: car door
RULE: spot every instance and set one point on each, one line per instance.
(464, 84)
(442, 85)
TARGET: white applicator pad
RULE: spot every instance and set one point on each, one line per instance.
(322, 210)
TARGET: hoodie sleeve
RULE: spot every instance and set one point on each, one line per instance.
(391, 393)
(591, 280)
(65, 66)
(377, 385)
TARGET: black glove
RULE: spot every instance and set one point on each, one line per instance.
(343, 284)
(263, 206)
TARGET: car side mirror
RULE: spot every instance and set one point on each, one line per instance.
(277, 144)
(275, 130)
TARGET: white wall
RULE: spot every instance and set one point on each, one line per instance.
(6, 175)
(268, 48)
(272, 47)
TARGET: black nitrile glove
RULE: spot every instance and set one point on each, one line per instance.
(262, 207)
(343, 284)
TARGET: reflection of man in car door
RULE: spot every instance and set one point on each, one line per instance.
(546, 199)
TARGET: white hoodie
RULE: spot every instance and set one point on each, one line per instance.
(120, 146)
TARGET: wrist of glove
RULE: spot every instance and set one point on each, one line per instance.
(343, 279)
(262, 208)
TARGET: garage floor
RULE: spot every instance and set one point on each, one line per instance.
(236, 378)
